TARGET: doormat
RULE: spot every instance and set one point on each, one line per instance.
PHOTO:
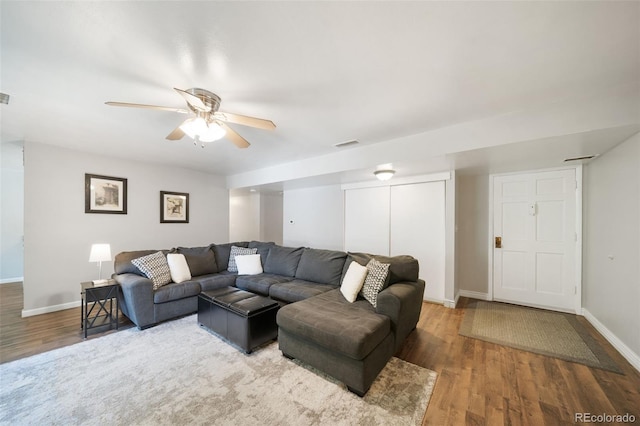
(549, 333)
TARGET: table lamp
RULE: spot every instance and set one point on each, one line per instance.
(100, 253)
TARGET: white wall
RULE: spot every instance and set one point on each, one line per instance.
(244, 217)
(314, 217)
(472, 256)
(611, 255)
(11, 212)
(255, 216)
(58, 234)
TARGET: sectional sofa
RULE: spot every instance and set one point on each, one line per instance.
(316, 324)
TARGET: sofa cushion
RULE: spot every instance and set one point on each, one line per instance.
(178, 267)
(263, 249)
(353, 281)
(214, 281)
(374, 282)
(283, 260)
(155, 267)
(329, 321)
(249, 264)
(403, 268)
(261, 283)
(201, 260)
(122, 263)
(222, 252)
(296, 290)
(321, 266)
(176, 291)
(238, 251)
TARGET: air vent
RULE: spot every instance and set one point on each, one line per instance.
(4, 98)
(347, 143)
(585, 158)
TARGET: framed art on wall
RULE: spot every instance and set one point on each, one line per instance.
(174, 207)
(105, 194)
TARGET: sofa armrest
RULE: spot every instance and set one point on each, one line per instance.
(402, 303)
(137, 292)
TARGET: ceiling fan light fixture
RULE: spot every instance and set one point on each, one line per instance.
(384, 174)
(199, 128)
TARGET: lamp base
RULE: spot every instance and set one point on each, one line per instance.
(99, 282)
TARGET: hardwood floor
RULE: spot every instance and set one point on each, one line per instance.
(479, 383)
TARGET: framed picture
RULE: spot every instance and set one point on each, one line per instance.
(105, 194)
(174, 207)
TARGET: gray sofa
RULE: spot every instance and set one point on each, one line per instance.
(316, 324)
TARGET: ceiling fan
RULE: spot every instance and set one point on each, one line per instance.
(208, 124)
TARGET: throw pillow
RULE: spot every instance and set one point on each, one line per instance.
(238, 251)
(376, 276)
(248, 264)
(154, 267)
(178, 267)
(353, 281)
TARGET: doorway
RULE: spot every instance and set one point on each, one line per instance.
(536, 239)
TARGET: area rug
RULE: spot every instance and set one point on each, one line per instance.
(543, 332)
(179, 373)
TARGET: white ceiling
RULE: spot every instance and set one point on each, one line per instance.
(324, 72)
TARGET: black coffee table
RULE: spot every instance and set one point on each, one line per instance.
(245, 319)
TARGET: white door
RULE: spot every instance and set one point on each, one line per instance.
(417, 229)
(534, 215)
(366, 220)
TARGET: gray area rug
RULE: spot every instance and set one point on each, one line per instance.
(543, 332)
(178, 373)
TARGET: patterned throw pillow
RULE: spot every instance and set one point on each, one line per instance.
(154, 267)
(238, 251)
(376, 277)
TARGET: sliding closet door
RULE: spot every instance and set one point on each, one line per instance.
(366, 220)
(417, 225)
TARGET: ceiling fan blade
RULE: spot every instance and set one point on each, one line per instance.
(162, 108)
(234, 137)
(245, 120)
(193, 100)
(176, 135)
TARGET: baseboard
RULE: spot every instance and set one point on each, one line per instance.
(474, 295)
(618, 344)
(47, 309)
(11, 280)
(448, 303)
(436, 301)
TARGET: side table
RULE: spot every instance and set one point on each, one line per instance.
(97, 307)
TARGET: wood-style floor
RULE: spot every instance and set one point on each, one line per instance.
(479, 383)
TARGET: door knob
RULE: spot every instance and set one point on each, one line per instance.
(498, 242)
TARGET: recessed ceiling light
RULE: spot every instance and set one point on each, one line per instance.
(252, 190)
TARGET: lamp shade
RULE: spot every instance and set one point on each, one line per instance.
(100, 253)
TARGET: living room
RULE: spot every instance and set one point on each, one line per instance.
(473, 90)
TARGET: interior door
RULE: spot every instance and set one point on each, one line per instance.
(418, 229)
(534, 225)
(366, 220)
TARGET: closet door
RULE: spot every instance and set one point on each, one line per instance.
(417, 228)
(366, 220)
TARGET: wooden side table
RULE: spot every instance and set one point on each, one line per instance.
(97, 305)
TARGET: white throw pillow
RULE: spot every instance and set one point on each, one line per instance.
(353, 281)
(238, 251)
(249, 264)
(178, 267)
